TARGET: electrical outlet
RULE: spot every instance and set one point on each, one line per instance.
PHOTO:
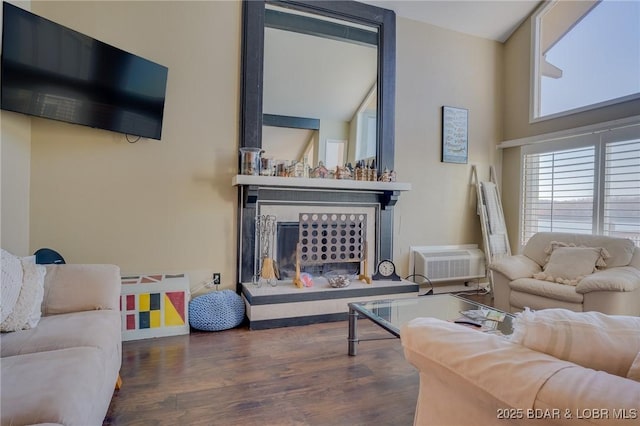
(216, 277)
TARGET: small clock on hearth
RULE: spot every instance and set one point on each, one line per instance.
(386, 271)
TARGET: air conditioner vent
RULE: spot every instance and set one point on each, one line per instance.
(450, 265)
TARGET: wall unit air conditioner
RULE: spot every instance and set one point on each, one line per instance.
(448, 263)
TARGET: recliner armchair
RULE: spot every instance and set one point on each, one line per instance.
(529, 279)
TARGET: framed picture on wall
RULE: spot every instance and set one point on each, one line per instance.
(455, 141)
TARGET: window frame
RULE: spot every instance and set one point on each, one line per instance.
(535, 80)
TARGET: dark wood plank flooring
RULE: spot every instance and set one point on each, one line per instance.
(285, 376)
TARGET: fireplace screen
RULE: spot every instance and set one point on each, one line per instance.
(325, 243)
(331, 238)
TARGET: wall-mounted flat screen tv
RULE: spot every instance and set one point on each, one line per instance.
(54, 72)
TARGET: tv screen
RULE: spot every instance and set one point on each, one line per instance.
(54, 72)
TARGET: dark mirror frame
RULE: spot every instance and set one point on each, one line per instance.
(251, 118)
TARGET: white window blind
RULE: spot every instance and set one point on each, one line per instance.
(621, 207)
(585, 184)
(559, 192)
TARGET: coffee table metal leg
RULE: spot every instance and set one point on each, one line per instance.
(353, 331)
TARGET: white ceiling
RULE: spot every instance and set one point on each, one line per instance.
(494, 20)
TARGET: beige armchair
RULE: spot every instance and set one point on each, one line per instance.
(578, 272)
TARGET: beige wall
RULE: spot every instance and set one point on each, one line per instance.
(168, 206)
(437, 67)
(152, 206)
(517, 57)
(15, 153)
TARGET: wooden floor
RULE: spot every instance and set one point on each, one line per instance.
(284, 376)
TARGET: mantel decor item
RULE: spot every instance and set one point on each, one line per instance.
(338, 280)
(455, 144)
(266, 234)
(250, 161)
(386, 270)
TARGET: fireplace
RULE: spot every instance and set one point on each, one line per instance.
(287, 229)
(286, 242)
(286, 198)
(285, 256)
(287, 237)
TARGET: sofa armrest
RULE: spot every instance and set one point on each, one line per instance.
(635, 259)
(74, 288)
(495, 376)
(516, 266)
(578, 391)
(623, 278)
(474, 358)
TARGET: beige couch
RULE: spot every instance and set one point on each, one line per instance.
(64, 370)
(470, 377)
(613, 289)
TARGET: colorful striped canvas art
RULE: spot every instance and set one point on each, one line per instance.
(154, 306)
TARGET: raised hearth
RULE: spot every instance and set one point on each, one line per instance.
(287, 305)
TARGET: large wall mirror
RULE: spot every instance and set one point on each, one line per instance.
(319, 81)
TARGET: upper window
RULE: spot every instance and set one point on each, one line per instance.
(586, 55)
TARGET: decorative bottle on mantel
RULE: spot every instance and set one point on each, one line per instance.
(358, 172)
(250, 161)
(373, 171)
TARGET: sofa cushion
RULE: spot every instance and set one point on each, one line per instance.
(11, 281)
(516, 266)
(568, 265)
(577, 391)
(26, 311)
(591, 339)
(634, 371)
(547, 289)
(65, 386)
(519, 300)
(624, 278)
(34, 272)
(81, 287)
(99, 329)
(475, 357)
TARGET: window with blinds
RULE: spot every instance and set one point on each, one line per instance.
(621, 206)
(589, 184)
(559, 192)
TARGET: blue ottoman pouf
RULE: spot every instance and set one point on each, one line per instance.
(215, 311)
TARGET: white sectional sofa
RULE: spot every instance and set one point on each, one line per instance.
(64, 370)
(561, 370)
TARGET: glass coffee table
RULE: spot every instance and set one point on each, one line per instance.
(391, 314)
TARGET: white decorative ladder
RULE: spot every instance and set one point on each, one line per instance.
(494, 230)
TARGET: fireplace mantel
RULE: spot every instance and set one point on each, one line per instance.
(388, 191)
